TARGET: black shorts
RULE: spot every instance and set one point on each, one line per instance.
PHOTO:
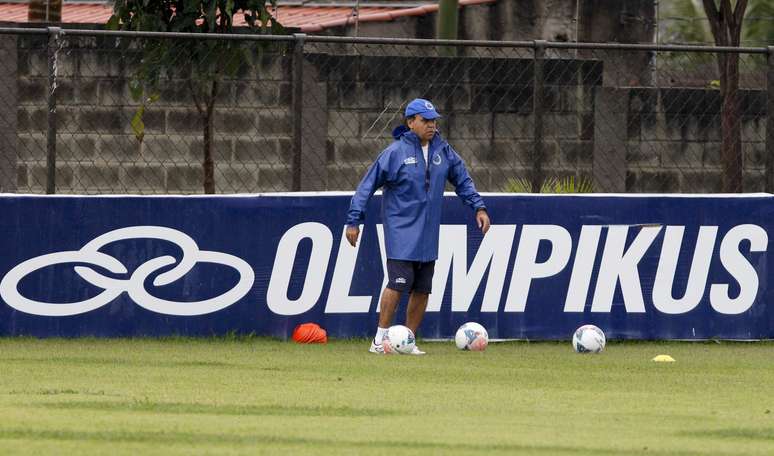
(410, 275)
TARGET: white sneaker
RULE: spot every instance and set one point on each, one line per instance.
(376, 348)
(416, 351)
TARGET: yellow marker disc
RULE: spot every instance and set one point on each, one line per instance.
(663, 359)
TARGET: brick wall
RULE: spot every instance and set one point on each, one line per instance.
(673, 140)
(487, 108)
(669, 136)
(97, 151)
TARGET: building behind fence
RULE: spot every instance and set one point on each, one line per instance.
(311, 113)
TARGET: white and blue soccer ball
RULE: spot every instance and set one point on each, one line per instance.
(399, 339)
(588, 339)
(471, 336)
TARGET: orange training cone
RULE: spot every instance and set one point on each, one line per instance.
(310, 333)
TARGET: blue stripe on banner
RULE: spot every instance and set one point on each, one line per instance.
(639, 267)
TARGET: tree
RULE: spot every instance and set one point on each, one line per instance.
(726, 25)
(683, 22)
(203, 62)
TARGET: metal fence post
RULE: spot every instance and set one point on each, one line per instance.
(770, 121)
(298, 93)
(538, 100)
(54, 36)
(9, 105)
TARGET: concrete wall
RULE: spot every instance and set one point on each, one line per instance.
(673, 140)
(628, 139)
(98, 152)
(487, 107)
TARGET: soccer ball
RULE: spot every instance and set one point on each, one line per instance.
(588, 339)
(399, 339)
(471, 336)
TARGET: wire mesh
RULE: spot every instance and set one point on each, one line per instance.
(146, 115)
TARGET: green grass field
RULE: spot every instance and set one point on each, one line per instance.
(251, 396)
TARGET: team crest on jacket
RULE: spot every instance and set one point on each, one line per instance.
(437, 160)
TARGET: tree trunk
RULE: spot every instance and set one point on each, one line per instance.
(44, 11)
(448, 18)
(208, 164)
(730, 124)
(726, 25)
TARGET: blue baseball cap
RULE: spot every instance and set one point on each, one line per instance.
(422, 107)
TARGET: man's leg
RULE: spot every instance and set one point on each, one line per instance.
(387, 306)
(414, 314)
(420, 292)
(422, 286)
(416, 310)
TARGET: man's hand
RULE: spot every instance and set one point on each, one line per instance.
(482, 218)
(354, 231)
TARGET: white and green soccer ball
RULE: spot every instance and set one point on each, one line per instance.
(471, 336)
(588, 339)
(399, 339)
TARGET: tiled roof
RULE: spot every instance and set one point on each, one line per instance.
(307, 18)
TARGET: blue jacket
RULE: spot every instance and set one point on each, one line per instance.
(413, 194)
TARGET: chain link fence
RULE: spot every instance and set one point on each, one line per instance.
(97, 112)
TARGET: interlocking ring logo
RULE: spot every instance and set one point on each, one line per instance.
(135, 285)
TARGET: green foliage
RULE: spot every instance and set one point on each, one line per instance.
(202, 63)
(192, 16)
(683, 21)
(551, 185)
(758, 27)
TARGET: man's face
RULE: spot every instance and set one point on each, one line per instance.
(423, 128)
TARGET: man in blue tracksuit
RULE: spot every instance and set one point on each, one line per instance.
(413, 171)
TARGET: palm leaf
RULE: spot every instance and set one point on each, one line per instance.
(551, 185)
